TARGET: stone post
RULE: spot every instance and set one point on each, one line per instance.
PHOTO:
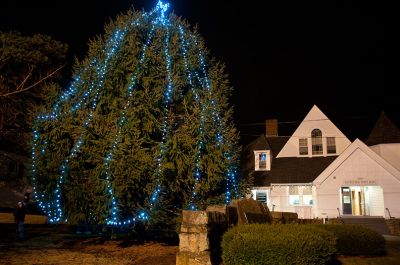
(194, 246)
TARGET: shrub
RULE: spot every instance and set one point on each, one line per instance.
(354, 240)
(277, 244)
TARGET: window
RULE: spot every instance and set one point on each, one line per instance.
(261, 196)
(262, 161)
(300, 195)
(294, 195)
(316, 140)
(307, 195)
(303, 146)
(330, 145)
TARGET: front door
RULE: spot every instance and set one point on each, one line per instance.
(346, 200)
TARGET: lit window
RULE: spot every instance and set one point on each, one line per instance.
(294, 195)
(262, 161)
(307, 195)
(330, 145)
(307, 190)
(316, 140)
(307, 200)
(303, 146)
(261, 196)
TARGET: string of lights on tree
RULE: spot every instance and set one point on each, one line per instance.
(84, 95)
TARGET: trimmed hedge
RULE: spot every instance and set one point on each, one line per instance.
(355, 240)
(255, 244)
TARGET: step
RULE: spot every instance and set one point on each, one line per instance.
(375, 223)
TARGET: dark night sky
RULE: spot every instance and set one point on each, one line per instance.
(282, 56)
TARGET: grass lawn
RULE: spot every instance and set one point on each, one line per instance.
(8, 218)
(392, 257)
(59, 245)
(50, 244)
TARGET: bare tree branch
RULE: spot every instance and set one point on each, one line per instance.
(33, 85)
(21, 86)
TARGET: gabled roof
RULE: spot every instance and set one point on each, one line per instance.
(384, 132)
(356, 145)
(315, 119)
(247, 156)
(260, 143)
(273, 143)
(285, 169)
(277, 143)
(315, 114)
(288, 170)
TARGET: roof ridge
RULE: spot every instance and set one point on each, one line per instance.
(384, 131)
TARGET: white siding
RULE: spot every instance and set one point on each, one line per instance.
(389, 152)
(358, 169)
(375, 201)
(315, 119)
(392, 199)
(279, 196)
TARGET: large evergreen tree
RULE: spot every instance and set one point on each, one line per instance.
(144, 130)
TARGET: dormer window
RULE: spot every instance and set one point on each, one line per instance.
(316, 141)
(330, 145)
(262, 160)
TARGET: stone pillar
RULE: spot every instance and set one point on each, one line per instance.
(194, 246)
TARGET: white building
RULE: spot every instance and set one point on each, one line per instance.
(318, 173)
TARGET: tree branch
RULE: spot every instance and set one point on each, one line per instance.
(33, 85)
(20, 87)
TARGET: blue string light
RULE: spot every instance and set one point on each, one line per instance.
(230, 174)
(197, 173)
(51, 203)
(53, 207)
(114, 220)
(162, 21)
(167, 100)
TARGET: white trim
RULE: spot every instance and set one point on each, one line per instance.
(257, 160)
(356, 145)
(261, 188)
(292, 184)
(315, 119)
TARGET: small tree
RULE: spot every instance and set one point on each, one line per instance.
(29, 77)
(144, 130)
